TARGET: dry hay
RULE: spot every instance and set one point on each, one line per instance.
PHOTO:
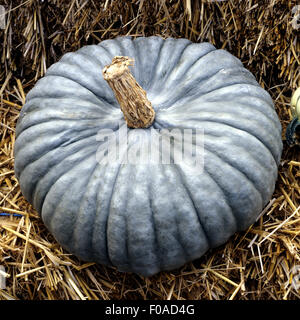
(260, 263)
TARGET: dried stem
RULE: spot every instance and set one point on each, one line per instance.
(137, 109)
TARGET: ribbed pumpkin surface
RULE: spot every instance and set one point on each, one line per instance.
(146, 218)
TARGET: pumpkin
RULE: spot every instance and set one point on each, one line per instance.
(146, 218)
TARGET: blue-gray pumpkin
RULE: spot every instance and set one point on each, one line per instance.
(146, 218)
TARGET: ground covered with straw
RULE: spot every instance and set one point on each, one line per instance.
(261, 263)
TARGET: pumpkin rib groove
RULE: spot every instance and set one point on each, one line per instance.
(54, 211)
(231, 123)
(209, 77)
(131, 52)
(192, 87)
(157, 59)
(92, 127)
(202, 225)
(226, 192)
(128, 254)
(64, 209)
(190, 196)
(239, 143)
(233, 127)
(266, 144)
(171, 63)
(48, 99)
(241, 169)
(109, 214)
(106, 212)
(179, 237)
(73, 60)
(91, 57)
(203, 78)
(21, 148)
(40, 126)
(205, 54)
(106, 114)
(101, 99)
(140, 49)
(77, 216)
(49, 218)
(176, 98)
(23, 167)
(138, 65)
(219, 108)
(55, 120)
(125, 264)
(36, 125)
(236, 95)
(67, 143)
(86, 51)
(225, 198)
(89, 156)
(35, 115)
(111, 46)
(76, 231)
(29, 160)
(223, 191)
(95, 250)
(29, 168)
(269, 112)
(78, 65)
(156, 243)
(261, 163)
(55, 167)
(271, 115)
(190, 65)
(85, 93)
(213, 91)
(94, 56)
(156, 124)
(265, 107)
(185, 184)
(57, 100)
(110, 205)
(261, 119)
(234, 169)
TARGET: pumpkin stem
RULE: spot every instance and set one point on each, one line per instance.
(137, 109)
(293, 129)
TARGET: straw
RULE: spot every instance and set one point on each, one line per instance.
(259, 263)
